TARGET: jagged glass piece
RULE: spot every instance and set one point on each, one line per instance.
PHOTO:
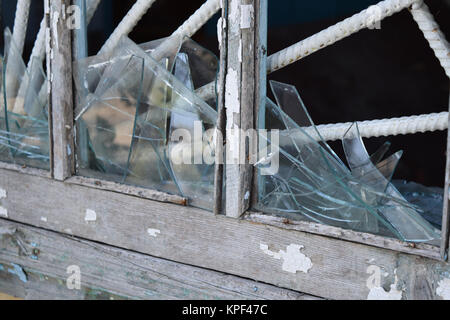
(380, 153)
(134, 107)
(24, 135)
(313, 183)
(405, 220)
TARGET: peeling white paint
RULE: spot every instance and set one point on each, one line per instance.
(293, 259)
(246, 16)
(247, 195)
(240, 51)
(55, 28)
(91, 216)
(153, 232)
(374, 284)
(2, 193)
(220, 30)
(232, 107)
(232, 92)
(443, 289)
(44, 219)
(234, 13)
(3, 212)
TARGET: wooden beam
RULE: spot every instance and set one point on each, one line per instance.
(296, 260)
(221, 117)
(59, 57)
(261, 82)
(111, 273)
(239, 103)
(445, 230)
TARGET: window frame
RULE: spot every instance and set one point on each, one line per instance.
(262, 229)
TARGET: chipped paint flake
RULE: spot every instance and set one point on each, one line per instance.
(381, 294)
(246, 16)
(18, 271)
(153, 232)
(44, 219)
(443, 289)
(3, 212)
(91, 216)
(293, 259)
(376, 291)
(2, 193)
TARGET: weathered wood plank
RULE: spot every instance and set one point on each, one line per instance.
(59, 57)
(25, 170)
(127, 189)
(239, 102)
(445, 233)
(300, 261)
(110, 273)
(221, 117)
(420, 249)
(261, 22)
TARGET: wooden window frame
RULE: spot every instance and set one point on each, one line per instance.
(248, 244)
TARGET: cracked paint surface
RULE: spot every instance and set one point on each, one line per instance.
(91, 216)
(443, 289)
(153, 232)
(3, 211)
(293, 259)
(377, 292)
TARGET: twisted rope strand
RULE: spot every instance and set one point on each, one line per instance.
(426, 22)
(339, 31)
(188, 28)
(21, 23)
(388, 127)
(127, 24)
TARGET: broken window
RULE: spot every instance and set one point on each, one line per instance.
(24, 132)
(140, 122)
(312, 183)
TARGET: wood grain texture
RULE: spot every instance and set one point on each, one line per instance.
(420, 249)
(112, 273)
(239, 102)
(261, 25)
(187, 235)
(127, 189)
(221, 117)
(59, 56)
(445, 233)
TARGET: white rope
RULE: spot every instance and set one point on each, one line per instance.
(388, 127)
(21, 23)
(127, 24)
(324, 38)
(187, 29)
(339, 31)
(422, 15)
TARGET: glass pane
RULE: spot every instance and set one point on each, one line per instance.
(141, 122)
(24, 132)
(312, 183)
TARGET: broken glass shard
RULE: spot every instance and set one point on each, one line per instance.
(24, 133)
(139, 116)
(312, 183)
